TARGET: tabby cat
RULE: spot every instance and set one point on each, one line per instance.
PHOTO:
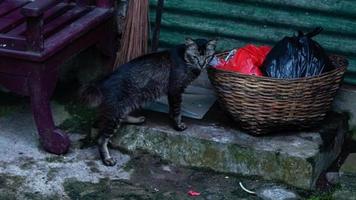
(142, 80)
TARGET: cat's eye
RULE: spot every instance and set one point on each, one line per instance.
(209, 57)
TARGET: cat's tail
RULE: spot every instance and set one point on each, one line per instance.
(91, 95)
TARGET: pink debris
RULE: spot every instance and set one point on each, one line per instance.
(193, 193)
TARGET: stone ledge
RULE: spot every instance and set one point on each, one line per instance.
(213, 143)
(347, 190)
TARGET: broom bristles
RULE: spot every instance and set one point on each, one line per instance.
(134, 41)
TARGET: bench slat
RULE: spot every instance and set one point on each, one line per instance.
(49, 15)
(8, 6)
(9, 42)
(73, 32)
(11, 20)
(63, 24)
(65, 19)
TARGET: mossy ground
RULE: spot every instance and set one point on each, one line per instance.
(9, 186)
(149, 180)
(154, 178)
(81, 118)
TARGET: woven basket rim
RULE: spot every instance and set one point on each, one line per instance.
(265, 78)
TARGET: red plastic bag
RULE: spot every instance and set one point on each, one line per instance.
(247, 60)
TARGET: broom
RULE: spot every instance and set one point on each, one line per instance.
(134, 40)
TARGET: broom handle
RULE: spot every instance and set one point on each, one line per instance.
(156, 32)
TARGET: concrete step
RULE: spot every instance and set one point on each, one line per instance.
(215, 143)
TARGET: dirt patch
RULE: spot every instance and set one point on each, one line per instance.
(153, 178)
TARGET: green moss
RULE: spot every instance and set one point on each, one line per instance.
(128, 166)
(6, 110)
(9, 186)
(211, 156)
(37, 196)
(85, 190)
(28, 163)
(294, 166)
(10, 181)
(6, 195)
(81, 119)
(55, 159)
(321, 195)
(106, 189)
(33, 196)
(92, 166)
(52, 173)
(326, 196)
(266, 164)
(194, 152)
(176, 148)
(242, 155)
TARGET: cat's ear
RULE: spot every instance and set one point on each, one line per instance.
(212, 43)
(210, 47)
(189, 41)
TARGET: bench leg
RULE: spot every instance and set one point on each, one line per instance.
(42, 85)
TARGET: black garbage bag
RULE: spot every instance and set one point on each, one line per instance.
(296, 57)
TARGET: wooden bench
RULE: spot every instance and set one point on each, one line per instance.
(36, 37)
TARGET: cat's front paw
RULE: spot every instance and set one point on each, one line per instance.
(109, 162)
(141, 120)
(180, 127)
(134, 120)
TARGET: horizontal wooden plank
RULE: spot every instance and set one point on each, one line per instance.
(38, 7)
(49, 15)
(11, 20)
(65, 19)
(14, 43)
(82, 28)
(78, 28)
(8, 6)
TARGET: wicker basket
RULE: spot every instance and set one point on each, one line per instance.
(262, 105)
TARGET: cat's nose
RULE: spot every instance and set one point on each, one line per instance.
(201, 64)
